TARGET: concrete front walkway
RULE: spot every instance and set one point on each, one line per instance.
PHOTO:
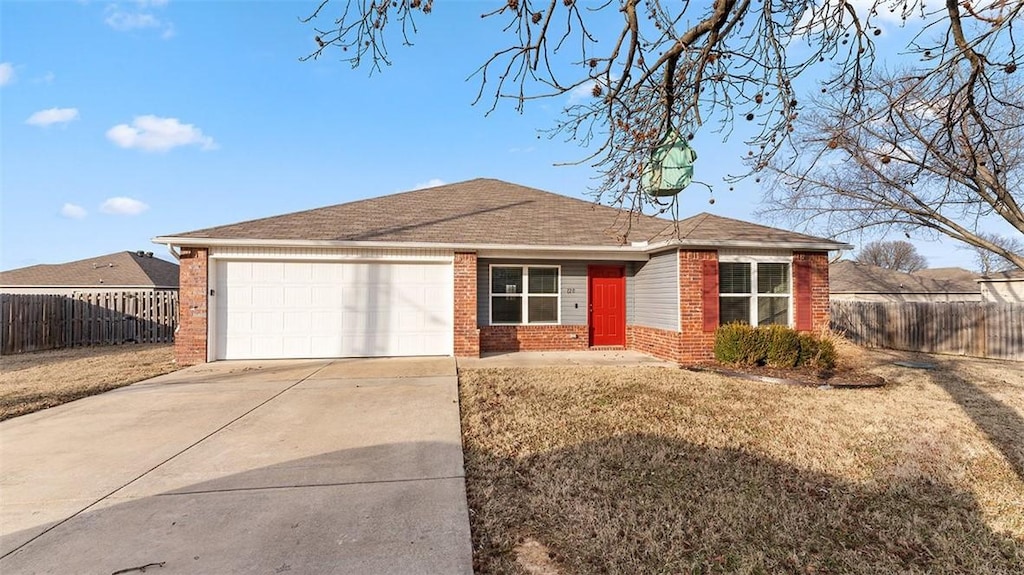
(348, 466)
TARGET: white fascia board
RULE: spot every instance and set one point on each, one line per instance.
(556, 254)
(352, 258)
(796, 246)
(623, 252)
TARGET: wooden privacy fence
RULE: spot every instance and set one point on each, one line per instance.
(979, 329)
(37, 322)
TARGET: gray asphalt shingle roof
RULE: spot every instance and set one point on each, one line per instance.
(116, 269)
(490, 212)
(1007, 275)
(850, 277)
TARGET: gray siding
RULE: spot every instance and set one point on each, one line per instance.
(573, 307)
(656, 292)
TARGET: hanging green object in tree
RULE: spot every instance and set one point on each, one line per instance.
(670, 168)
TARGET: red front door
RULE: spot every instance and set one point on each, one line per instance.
(607, 296)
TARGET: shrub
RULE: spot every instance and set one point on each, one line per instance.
(774, 345)
(808, 348)
(783, 346)
(757, 349)
(733, 343)
(826, 358)
(729, 344)
(816, 352)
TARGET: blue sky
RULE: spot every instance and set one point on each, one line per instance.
(123, 121)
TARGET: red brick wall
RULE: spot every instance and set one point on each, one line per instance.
(695, 344)
(190, 337)
(817, 262)
(533, 338)
(660, 343)
(466, 333)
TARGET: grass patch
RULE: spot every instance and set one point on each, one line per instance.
(33, 381)
(648, 470)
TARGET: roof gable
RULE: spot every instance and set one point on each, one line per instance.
(124, 268)
(489, 212)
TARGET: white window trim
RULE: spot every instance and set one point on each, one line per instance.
(753, 260)
(525, 314)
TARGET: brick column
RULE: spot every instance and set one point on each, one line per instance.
(811, 290)
(466, 332)
(695, 344)
(190, 336)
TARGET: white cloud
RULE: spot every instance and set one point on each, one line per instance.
(73, 211)
(138, 17)
(123, 206)
(582, 92)
(431, 183)
(46, 78)
(156, 134)
(125, 21)
(585, 91)
(6, 73)
(816, 16)
(882, 10)
(52, 116)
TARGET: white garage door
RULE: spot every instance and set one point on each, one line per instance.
(268, 310)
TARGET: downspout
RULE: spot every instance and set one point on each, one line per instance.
(177, 256)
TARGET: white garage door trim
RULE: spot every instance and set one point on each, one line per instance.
(287, 308)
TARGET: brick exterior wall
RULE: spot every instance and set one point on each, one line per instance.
(466, 332)
(695, 344)
(660, 343)
(533, 338)
(190, 337)
(819, 300)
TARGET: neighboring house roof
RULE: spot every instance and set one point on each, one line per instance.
(851, 277)
(119, 269)
(1004, 276)
(946, 274)
(488, 212)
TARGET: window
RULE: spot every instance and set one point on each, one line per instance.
(524, 294)
(738, 301)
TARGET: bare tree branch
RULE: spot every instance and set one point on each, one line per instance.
(919, 155)
(988, 261)
(897, 255)
(946, 127)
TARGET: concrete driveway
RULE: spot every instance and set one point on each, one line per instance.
(347, 466)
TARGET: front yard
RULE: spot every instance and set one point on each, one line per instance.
(33, 381)
(650, 470)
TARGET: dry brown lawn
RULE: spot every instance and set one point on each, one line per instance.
(33, 381)
(648, 470)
